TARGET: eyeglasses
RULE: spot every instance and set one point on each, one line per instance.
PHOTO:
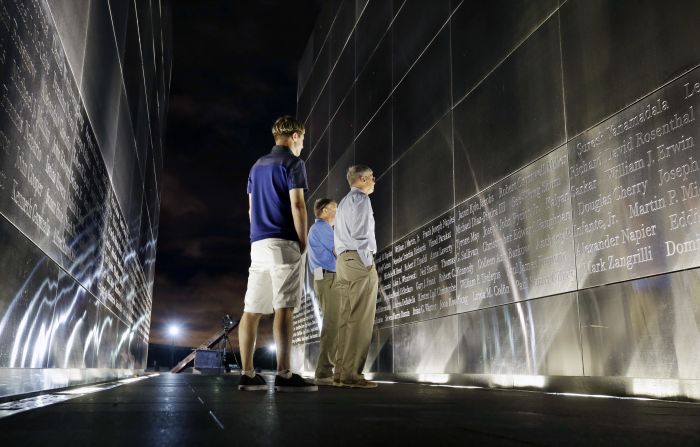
(370, 177)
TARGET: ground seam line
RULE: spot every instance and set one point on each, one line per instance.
(218, 422)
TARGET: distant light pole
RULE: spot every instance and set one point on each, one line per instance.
(173, 330)
(272, 348)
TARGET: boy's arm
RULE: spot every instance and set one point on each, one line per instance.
(296, 197)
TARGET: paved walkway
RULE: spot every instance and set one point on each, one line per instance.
(186, 410)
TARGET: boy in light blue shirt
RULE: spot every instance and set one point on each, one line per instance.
(322, 262)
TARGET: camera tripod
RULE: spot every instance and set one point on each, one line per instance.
(228, 325)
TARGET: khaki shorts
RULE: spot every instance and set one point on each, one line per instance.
(275, 279)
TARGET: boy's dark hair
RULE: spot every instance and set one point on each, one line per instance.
(320, 204)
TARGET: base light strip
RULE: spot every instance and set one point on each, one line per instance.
(464, 387)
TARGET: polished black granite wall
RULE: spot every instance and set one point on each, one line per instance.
(82, 119)
(537, 197)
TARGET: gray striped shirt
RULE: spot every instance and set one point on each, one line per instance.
(354, 226)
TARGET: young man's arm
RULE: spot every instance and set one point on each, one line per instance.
(296, 196)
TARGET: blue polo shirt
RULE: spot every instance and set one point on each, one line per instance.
(270, 180)
(321, 246)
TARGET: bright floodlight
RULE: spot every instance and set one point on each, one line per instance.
(272, 347)
(173, 330)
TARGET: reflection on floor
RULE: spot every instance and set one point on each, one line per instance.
(44, 400)
(182, 409)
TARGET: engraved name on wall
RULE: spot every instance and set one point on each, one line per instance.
(306, 322)
(634, 185)
(421, 276)
(514, 239)
(306, 326)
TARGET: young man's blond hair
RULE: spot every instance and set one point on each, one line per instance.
(286, 126)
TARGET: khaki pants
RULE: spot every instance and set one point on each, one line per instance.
(329, 300)
(358, 296)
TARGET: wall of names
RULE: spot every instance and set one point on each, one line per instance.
(54, 186)
(617, 202)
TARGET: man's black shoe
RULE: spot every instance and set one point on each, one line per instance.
(255, 383)
(294, 384)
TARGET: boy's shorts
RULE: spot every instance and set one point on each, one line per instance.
(275, 277)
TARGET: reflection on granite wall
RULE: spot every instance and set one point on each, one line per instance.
(537, 196)
(82, 118)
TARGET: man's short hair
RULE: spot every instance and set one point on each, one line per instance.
(285, 126)
(355, 172)
(320, 204)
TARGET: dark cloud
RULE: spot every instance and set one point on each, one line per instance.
(188, 202)
(197, 307)
(234, 72)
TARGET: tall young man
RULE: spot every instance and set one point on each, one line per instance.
(356, 276)
(322, 263)
(277, 212)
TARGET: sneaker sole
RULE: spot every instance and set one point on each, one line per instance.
(252, 387)
(296, 389)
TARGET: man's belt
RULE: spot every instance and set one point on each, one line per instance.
(347, 251)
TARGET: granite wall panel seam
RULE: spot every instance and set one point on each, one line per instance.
(505, 58)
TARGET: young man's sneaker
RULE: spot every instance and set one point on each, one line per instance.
(361, 383)
(255, 383)
(294, 384)
(325, 381)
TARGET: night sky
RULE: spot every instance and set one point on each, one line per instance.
(234, 72)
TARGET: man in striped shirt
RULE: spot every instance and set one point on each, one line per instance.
(356, 276)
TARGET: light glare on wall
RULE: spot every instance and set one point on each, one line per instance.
(433, 378)
(501, 380)
(656, 388)
(529, 381)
